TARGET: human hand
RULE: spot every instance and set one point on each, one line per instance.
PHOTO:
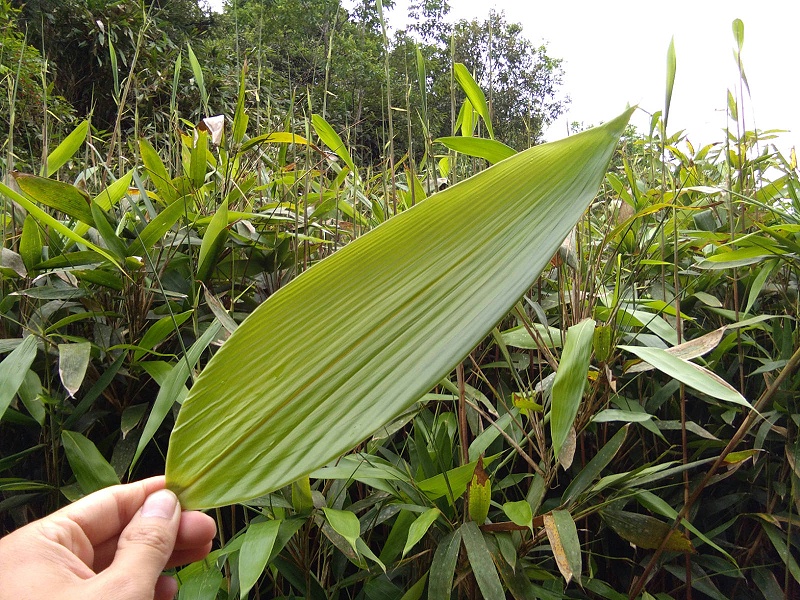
(112, 545)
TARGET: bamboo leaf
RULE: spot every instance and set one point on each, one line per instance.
(278, 137)
(695, 376)
(520, 513)
(198, 159)
(430, 282)
(481, 562)
(563, 537)
(63, 197)
(157, 172)
(213, 240)
(73, 360)
(475, 95)
(691, 349)
(345, 523)
(31, 243)
(671, 68)
(594, 467)
(570, 381)
(172, 389)
(108, 234)
(89, 467)
(491, 150)
(259, 540)
(13, 370)
(420, 527)
(156, 229)
(199, 80)
(158, 332)
(46, 219)
(66, 149)
(332, 140)
(415, 591)
(645, 531)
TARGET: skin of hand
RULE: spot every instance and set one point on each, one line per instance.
(112, 544)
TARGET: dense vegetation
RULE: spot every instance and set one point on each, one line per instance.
(139, 232)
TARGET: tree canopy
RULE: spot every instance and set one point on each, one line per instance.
(303, 55)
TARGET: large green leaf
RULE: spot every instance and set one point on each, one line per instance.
(429, 284)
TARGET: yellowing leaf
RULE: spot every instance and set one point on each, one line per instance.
(563, 537)
(645, 531)
(688, 350)
(479, 494)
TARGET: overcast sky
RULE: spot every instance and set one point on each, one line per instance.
(614, 53)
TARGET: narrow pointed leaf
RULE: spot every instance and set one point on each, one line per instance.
(345, 523)
(63, 197)
(687, 350)
(420, 527)
(443, 567)
(92, 471)
(671, 68)
(13, 370)
(45, 219)
(155, 229)
(645, 531)
(113, 242)
(692, 375)
(332, 140)
(173, 388)
(594, 467)
(199, 80)
(31, 243)
(570, 381)
(475, 94)
(259, 540)
(66, 149)
(492, 150)
(563, 537)
(213, 239)
(481, 562)
(157, 172)
(430, 283)
(520, 513)
(278, 137)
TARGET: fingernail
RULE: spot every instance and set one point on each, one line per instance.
(160, 504)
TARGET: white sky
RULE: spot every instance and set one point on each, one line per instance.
(615, 52)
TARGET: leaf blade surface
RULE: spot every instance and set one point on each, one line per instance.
(430, 283)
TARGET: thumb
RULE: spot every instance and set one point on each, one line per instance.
(144, 547)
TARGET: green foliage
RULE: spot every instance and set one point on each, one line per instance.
(121, 278)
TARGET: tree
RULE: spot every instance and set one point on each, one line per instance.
(77, 37)
(26, 82)
(520, 79)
